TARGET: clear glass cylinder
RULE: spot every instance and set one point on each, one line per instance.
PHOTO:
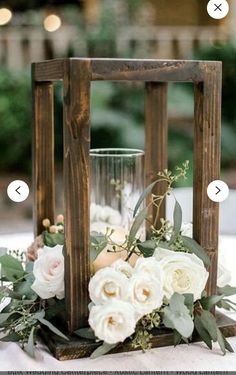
(117, 181)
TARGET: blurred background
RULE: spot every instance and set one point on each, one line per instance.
(34, 30)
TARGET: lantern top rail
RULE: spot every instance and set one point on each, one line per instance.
(147, 70)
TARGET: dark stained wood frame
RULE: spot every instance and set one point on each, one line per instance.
(76, 75)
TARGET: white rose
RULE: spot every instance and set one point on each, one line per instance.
(49, 272)
(123, 267)
(113, 322)
(107, 284)
(150, 266)
(183, 273)
(187, 229)
(145, 293)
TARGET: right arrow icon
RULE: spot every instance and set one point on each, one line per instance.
(217, 191)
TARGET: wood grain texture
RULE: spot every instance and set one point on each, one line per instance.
(146, 70)
(76, 86)
(156, 138)
(43, 155)
(207, 142)
(80, 348)
(50, 70)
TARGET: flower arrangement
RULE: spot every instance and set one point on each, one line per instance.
(139, 285)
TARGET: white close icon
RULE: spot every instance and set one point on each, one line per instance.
(218, 9)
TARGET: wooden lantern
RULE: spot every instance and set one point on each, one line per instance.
(76, 75)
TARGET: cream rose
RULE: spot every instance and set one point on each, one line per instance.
(223, 274)
(145, 293)
(183, 273)
(113, 322)
(107, 284)
(123, 267)
(48, 271)
(150, 266)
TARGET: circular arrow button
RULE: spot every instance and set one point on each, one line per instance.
(18, 191)
(218, 191)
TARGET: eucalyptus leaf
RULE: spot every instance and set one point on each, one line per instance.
(209, 323)
(177, 222)
(11, 267)
(11, 337)
(144, 194)
(227, 345)
(208, 302)
(138, 221)
(103, 349)
(176, 316)
(86, 333)
(203, 333)
(23, 288)
(189, 301)
(52, 328)
(177, 338)
(221, 341)
(227, 290)
(4, 317)
(98, 242)
(196, 249)
(53, 239)
(147, 248)
(29, 347)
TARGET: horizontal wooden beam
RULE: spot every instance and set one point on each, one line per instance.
(129, 70)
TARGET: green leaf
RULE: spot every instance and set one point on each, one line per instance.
(202, 331)
(138, 221)
(98, 242)
(209, 323)
(147, 248)
(177, 338)
(227, 290)
(4, 317)
(11, 267)
(176, 316)
(24, 288)
(144, 194)
(221, 341)
(189, 301)
(208, 302)
(227, 304)
(196, 249)
(11, 337)
(86, 333)
(53, 239)
(227, 345)
(29, 347)
(52, 328)
(177, 222)
(29, 267)
(103, 349)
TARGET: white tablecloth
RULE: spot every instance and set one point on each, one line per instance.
(195, 357)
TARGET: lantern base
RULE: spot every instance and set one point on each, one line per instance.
(80, 348)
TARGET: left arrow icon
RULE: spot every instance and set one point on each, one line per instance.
(17, 190)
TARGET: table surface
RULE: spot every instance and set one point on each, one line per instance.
(194, 357)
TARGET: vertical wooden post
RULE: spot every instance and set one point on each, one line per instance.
(156, 136)
(43, 154)
(207, 164)
(76, 190)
